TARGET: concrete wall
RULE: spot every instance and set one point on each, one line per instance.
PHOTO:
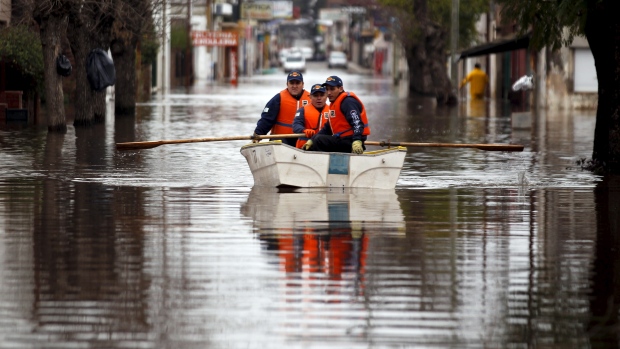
(560, 71)
(5, 13)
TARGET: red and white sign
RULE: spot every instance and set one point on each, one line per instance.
(213, 38)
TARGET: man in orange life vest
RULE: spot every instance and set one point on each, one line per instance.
(279, 112)
(347, 128)
(311, 118)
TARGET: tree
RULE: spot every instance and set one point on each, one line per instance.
(51, 17)
(83, 23)
(135, 20)
(422, 28)
(555, 24)
(90, 26)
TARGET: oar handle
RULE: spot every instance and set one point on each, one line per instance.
(482, 146)
(153, 144)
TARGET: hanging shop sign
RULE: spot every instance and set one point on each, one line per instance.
(257, 10)
(214, 38)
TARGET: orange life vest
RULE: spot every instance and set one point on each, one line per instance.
(289, 262)
(312, 120)
(337, 120)
(288, 108)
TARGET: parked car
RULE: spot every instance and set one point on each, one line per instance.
(307, 52)
(282, 55)
(337, 59)
(294, 62)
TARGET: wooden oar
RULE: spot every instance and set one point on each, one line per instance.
(153, 144)
(489, 147)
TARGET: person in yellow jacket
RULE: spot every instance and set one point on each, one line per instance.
(478, 82)
(310, 119)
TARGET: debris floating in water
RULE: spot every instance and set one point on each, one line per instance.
(524, 83)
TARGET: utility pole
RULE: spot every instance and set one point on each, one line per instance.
(490, 37)
(454, 43)
(209, 14)
(164, 46)
(188, 47)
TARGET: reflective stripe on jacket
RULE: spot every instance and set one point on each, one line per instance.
(338, 121)
(288, 107)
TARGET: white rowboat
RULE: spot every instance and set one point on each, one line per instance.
(274, 164)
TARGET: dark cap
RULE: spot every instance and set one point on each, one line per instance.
(317, 88)
(295, 75)
(333, 81)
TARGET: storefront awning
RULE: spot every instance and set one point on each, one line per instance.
(497, 46)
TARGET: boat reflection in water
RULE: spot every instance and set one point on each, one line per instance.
(322, 234)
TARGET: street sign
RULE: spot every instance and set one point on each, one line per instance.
(257, 10)
(214, 38)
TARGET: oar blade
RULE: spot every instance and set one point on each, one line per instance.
(137, 145)
(501, 147)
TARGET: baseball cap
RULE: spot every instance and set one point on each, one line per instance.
(295, 75)
(333, 81)
(317, 88)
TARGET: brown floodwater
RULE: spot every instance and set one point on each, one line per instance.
(173, 247)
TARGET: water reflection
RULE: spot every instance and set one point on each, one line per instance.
(478, 108)
(272, 209)
(605, 278)
(322, 234)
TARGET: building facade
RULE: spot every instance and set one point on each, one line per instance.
(5, 13)
(564, 79)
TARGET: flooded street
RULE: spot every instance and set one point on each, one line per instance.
(173, 247)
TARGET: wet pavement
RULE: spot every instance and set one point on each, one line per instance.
(173, 247)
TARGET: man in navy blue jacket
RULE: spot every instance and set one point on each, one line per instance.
(278, 114)
(347, 128)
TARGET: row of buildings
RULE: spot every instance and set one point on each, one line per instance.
(564, 79)
(249, 34)
(233, 38)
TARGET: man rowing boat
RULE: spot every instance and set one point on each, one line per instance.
(347, 128)
(278, 114)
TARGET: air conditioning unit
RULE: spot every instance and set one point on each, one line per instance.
(222, 10)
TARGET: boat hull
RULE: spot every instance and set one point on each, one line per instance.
(274, 164)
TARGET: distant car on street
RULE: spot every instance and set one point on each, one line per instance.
(307, 52)
(337, 59)
(294, 62)
(282, 55)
